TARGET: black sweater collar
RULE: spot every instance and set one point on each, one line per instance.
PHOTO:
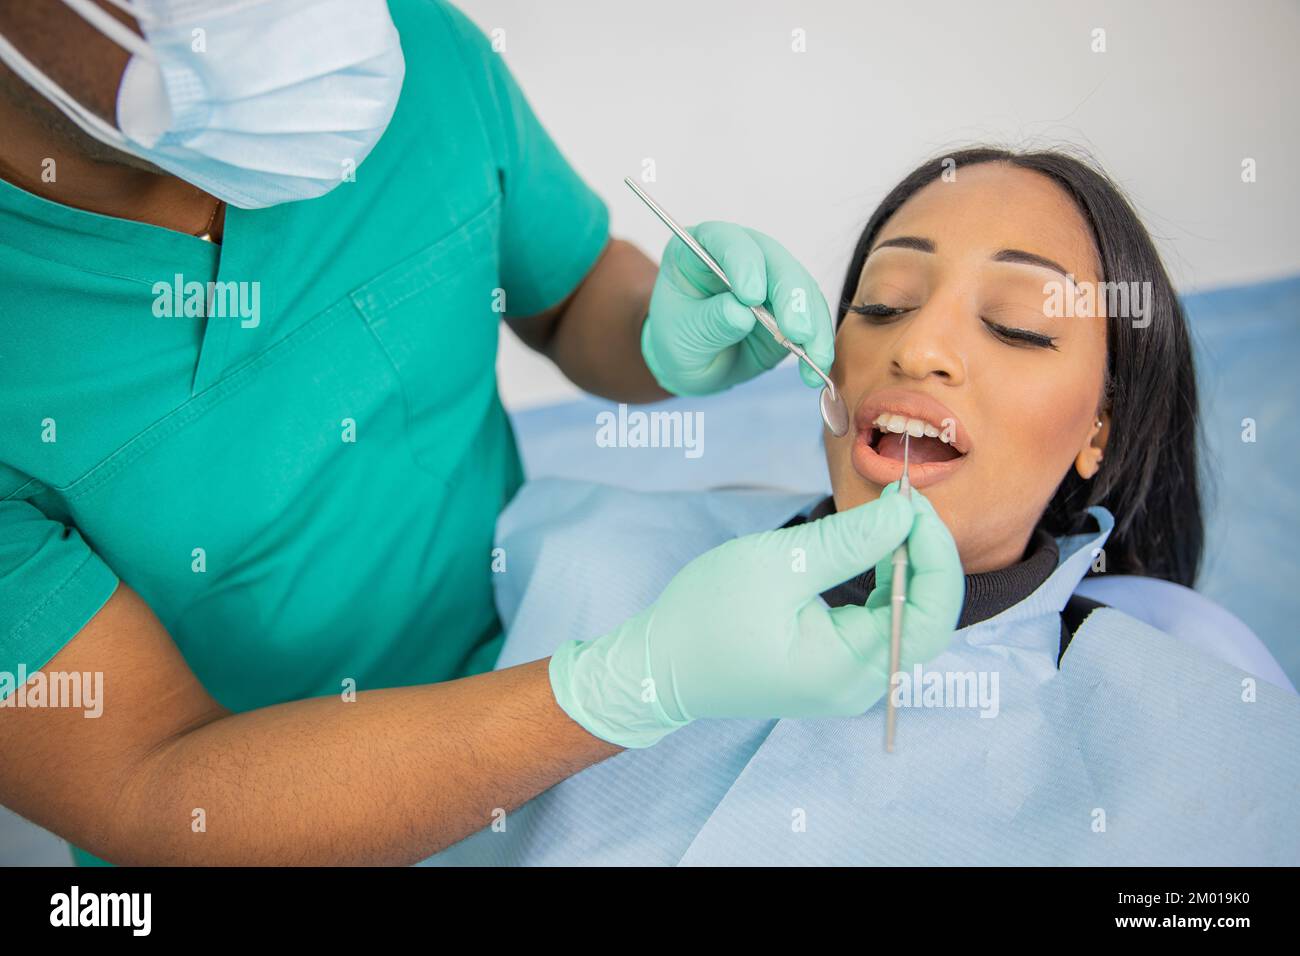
(987, 594)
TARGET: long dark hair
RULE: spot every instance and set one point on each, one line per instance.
(1148, 479)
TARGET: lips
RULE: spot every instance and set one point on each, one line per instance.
(880, 470)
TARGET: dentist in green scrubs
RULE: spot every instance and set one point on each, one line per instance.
(253, 259)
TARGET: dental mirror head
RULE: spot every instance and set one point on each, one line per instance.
(834, 412)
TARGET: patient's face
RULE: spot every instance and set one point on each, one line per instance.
(1012, 392)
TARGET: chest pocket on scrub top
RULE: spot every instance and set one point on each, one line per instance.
(432, 314)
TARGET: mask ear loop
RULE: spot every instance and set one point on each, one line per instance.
(38, 79)
(34, 77)
(111, 27)
(130, 7)
(118, 33)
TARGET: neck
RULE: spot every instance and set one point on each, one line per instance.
(50, 157)
(988, 593)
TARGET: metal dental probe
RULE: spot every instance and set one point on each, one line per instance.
(897, 601)
(834, 412)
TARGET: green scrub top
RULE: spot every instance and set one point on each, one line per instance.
(302, 478)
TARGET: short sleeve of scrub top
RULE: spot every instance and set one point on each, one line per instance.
(291, 444)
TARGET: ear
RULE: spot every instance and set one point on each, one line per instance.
(1088, 462)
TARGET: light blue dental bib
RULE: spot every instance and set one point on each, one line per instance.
(1138, 750)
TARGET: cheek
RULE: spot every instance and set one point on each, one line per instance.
(848, 355)
(1046, 419)
(853, 372)
(857, 361)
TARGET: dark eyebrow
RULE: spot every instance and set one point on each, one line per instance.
(1002, 255)
(907, 242)
(1029, 259)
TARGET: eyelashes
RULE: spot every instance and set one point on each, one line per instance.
(878, 310)
(873, 308)
(1022, 335)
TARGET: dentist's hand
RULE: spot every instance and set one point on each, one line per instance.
(740, 631)
(700, 338)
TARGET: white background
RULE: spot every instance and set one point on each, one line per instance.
(803, 145)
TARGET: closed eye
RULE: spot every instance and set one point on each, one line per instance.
(1021, 335)
(874, 309)
(1008, 333)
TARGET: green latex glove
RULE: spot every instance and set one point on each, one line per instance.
(741, 632)
(699, 338)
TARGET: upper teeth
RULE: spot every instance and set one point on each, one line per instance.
(913, 426)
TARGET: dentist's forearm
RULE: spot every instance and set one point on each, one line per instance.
(595, 336)
(388, 779)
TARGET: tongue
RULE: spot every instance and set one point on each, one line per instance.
(922, 450)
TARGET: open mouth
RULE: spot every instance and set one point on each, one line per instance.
(929, 442)
(937, 443)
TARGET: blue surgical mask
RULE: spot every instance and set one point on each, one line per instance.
(256, 102)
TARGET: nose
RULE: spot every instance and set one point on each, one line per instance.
(928, 345)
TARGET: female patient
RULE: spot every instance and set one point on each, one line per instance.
(949, 303)
(1053, 428)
